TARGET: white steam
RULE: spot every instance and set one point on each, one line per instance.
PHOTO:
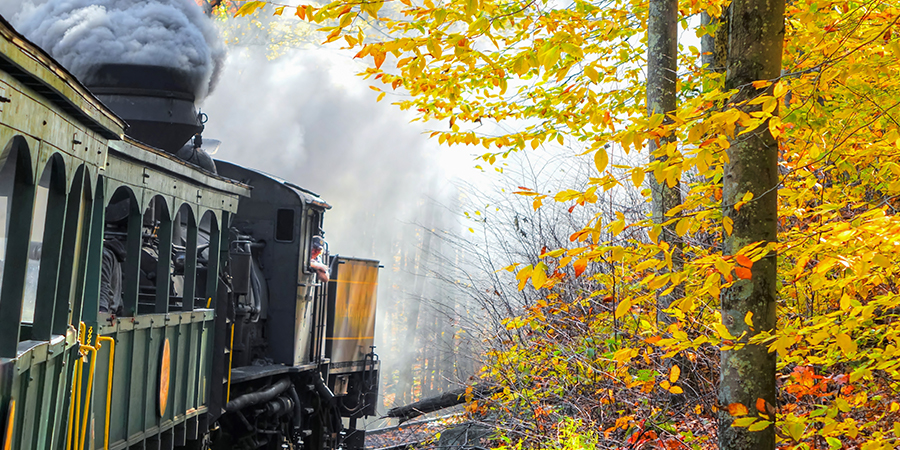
(81, 34)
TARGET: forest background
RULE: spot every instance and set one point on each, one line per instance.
(668, 320)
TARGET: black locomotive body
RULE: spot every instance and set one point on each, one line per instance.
(153, 298)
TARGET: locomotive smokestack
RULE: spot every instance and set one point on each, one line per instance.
(156, 101)
(149, 61)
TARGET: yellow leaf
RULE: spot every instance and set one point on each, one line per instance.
(249, 8)
(845, 302)
(601, 160)
(654, 233)
(723, 331)
(748, 319)
(674, 373)
(780, 89)
(279, 10)
(592, 74)
(616, 227)
(881, 260)
(759, 426)
(637, 177)
(795, 430)
(371, 7)
(846, 343)
(683, 226)
(623, 307)
(728, 224)
(538, 275)
(676, 390)
(380, 96)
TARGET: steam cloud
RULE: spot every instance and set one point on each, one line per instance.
(81, 34)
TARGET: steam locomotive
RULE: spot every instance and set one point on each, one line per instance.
(151, 297)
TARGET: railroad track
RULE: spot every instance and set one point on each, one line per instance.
(414, 434)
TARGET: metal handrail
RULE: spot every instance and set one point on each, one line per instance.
(109, 383)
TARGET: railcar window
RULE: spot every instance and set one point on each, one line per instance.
(115, 286)
(35, 249)
(284, 225)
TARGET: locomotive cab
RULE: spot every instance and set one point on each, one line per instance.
(285, 319)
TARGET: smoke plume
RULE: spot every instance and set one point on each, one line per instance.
(81, 34)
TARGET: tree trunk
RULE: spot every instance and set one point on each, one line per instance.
(714, 48)
(662, 73)
(754, 53)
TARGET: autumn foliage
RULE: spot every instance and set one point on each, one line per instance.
(586, 359)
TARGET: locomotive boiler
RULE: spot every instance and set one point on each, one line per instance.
(151, 297)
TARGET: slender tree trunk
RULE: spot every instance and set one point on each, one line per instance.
(662, 73)
(747, 375)
(714, 48)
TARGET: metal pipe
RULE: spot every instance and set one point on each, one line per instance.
(109, 383)
(255, 398)
(89, 394)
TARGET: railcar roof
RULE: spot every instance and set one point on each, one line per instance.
(174, 166)
(35, 68)
(308, 197)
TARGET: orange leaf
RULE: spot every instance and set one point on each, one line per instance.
(379, 56)
(761, 405)
(737, 409)
(674, 373)
(580, 266)
(744, 261)
(743, 273)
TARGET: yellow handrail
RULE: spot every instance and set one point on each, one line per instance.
(90, 393)
(10, 425)
(74, 418)
(78, 421)
(71, 409)
(109, 383)
(230, 356)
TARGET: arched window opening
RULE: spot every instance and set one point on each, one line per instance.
(117, 281)
(7, 182)
(184, 249)
(208, 241)
(17, 193)
(42, 267)
(156, 259)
